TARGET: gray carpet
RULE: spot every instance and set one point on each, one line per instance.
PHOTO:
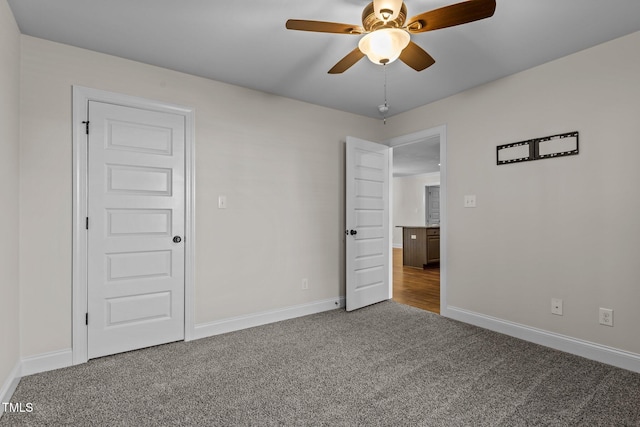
(384, 365)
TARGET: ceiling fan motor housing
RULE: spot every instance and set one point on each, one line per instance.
(385, 40)
(371, 22)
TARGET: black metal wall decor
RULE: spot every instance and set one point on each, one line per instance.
(564, 144)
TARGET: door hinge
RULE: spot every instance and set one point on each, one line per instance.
(86, 126)
(86, 318)
(86, 224)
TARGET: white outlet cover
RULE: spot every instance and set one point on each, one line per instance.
(606, 316)
(470, 201)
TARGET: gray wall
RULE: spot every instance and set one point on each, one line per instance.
(280, 163)
(565, 227)
(9, 239)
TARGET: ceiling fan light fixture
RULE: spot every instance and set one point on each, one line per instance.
(387, 10)
(384, 46)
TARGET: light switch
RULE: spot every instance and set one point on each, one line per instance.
(470, 201)
(222, 202)
(414, 237)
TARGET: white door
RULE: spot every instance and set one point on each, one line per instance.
(432, 197)
(367, 222)
(136, 198)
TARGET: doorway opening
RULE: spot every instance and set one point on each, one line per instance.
(418, 220)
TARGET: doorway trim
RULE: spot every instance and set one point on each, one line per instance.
(411, 138)
(81, 97)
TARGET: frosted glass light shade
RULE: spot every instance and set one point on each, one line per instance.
(387, 10)
(384, 46)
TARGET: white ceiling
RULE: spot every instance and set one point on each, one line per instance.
(245, 43)
(417, 158)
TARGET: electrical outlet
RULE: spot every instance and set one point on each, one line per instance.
(470, 201)
(305, 284)
(606, 316)
(556, 306)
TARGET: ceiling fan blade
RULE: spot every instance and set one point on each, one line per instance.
(449, 16)
(415, 57)
(323, 27)
(345, 63)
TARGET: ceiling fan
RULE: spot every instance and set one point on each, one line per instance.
(387, 32)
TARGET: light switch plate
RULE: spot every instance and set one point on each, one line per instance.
(222, 202)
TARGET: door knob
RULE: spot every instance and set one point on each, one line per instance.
(177, 239)
(353, 232)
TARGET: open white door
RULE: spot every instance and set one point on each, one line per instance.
(367, 223)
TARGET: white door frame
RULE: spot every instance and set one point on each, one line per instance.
(440, 131)
(81, 98)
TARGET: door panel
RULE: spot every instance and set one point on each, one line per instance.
(134, 265)
(138, 222)
(138, 308)
(128, 179)
(139, 137)
(433, 204)
(136, 207)
(367, 214)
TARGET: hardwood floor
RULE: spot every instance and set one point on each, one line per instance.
(414, 286)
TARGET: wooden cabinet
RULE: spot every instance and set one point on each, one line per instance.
(414, 249)
(433, 245)
(420, 246)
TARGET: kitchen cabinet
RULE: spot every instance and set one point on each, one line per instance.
(420, 245)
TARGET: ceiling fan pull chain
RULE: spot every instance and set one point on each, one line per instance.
(385, 106)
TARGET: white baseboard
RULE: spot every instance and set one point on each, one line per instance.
(257, 319)
(10, 385)
(601, 353)
(397, 245)
(46, 362)
(64, 358)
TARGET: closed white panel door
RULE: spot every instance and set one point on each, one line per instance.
(136, 228)
(433, 204)
(367, 221)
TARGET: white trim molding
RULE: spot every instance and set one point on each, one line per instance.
(65, 358)
(81, 98)
(600, 353)
(263, 318)
(46, 362)
(10, 385)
